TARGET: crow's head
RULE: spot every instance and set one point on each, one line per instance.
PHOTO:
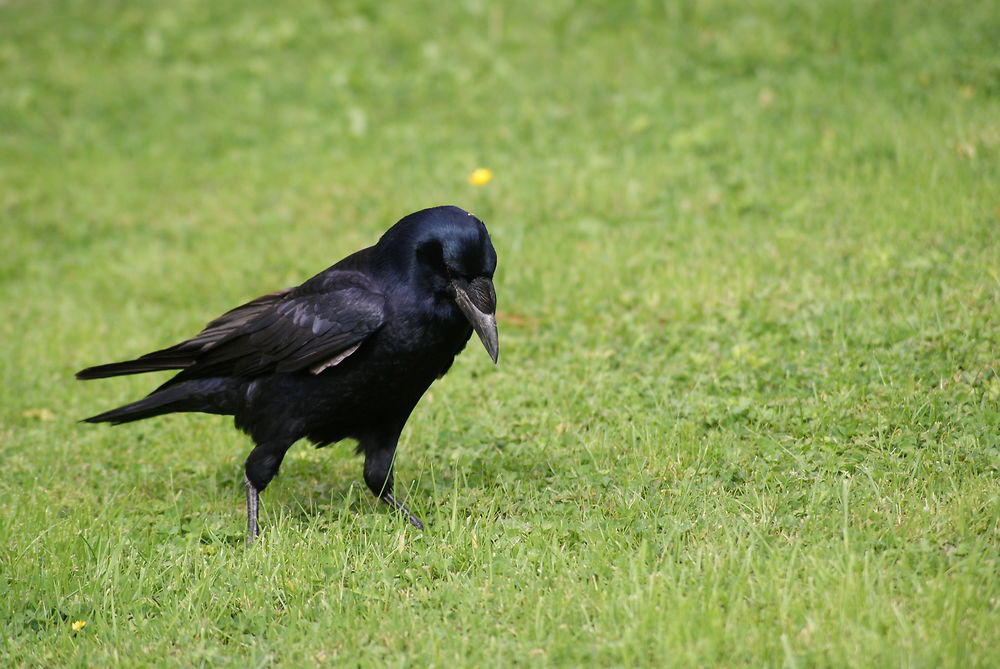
(447, 251)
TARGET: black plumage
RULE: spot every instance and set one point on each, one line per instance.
(347, 354)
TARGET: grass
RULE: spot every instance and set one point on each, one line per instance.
(748, 405)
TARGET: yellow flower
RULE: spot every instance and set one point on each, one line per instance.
(480, 176)
(79, 625)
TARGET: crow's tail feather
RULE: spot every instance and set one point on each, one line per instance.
(168, 358)
(205, 395)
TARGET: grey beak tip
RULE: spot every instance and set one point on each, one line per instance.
(490, 343)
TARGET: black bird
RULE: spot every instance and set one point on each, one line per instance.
(347, 354)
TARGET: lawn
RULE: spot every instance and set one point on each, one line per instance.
(747, 411)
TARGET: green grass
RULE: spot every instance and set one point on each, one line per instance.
(748, 405)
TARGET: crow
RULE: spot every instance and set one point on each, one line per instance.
(347, 354)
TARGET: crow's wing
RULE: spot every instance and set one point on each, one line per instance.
(292, 331)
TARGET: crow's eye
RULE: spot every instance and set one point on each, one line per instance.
(431, 254)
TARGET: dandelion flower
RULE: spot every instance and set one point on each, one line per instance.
(480, 176)
(79, 625)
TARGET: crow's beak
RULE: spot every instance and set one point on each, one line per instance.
(478, 301)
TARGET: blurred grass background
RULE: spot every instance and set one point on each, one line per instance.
(747, 408)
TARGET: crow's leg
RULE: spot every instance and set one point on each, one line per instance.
(378, 476)
(398, 506)
(252, 500)
(261, 466)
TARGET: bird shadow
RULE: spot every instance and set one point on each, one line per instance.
(308, 493)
